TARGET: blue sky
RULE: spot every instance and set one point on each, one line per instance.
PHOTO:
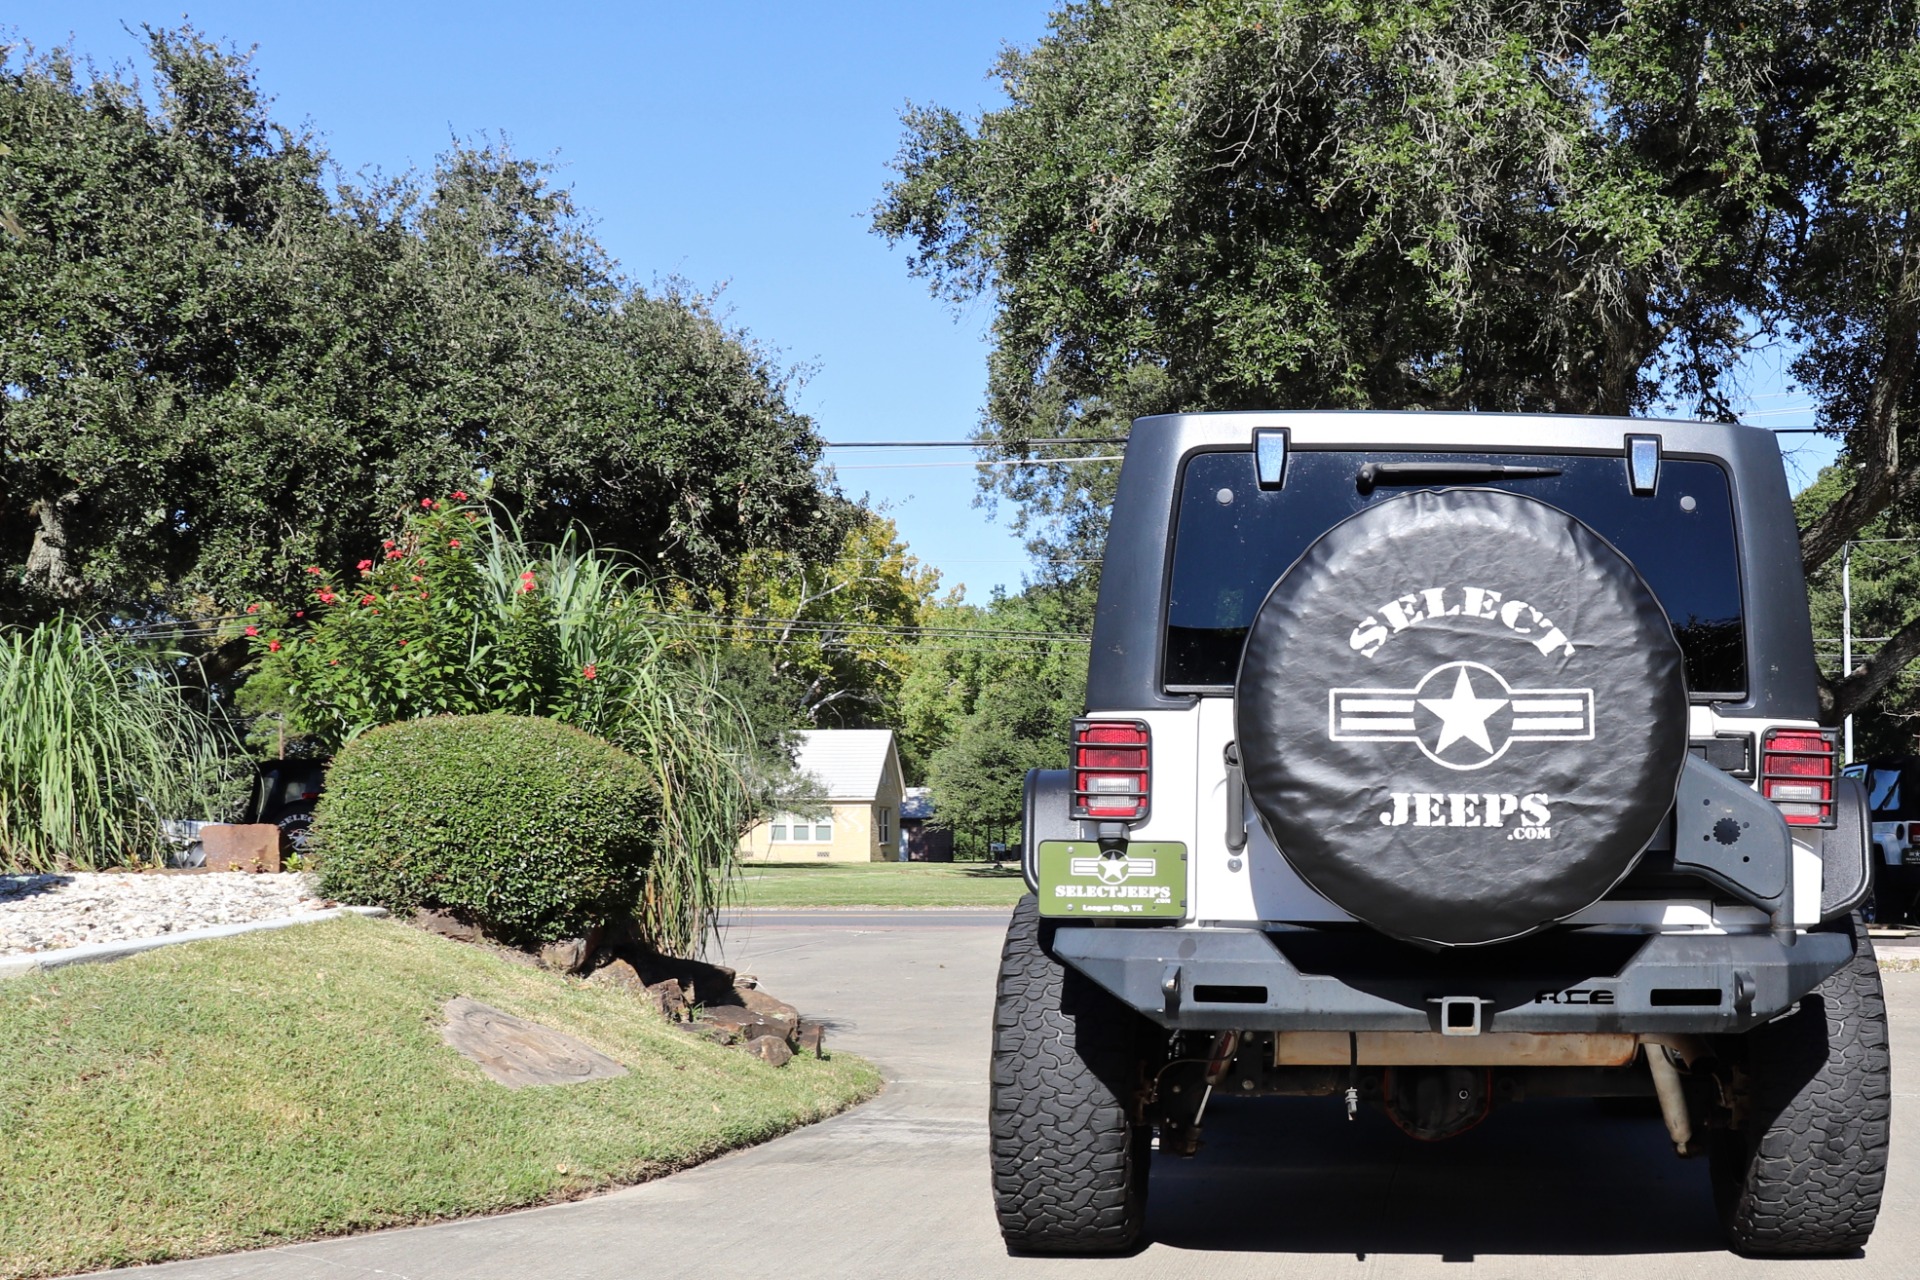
(733, 143)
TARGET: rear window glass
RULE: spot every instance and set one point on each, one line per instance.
(1234, 540)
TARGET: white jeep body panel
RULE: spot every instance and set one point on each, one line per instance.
(1258, 886)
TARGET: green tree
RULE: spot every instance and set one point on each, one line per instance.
(991, 694)
(1885, 573)
(837, 637)
(218, 370)
(1585, 207)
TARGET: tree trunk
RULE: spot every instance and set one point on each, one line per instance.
(1874, 443)
(47, 565)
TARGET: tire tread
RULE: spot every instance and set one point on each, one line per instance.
(1809, 1172)
(1069, 1167)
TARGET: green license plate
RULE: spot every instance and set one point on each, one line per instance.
(1148, 881)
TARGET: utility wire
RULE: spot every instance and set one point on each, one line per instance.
(968, 444)
(998, 462)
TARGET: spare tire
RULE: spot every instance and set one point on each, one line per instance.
(1461, 715)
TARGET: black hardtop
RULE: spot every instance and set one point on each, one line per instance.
(1125, 666)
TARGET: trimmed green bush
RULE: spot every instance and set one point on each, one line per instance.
(529, 828)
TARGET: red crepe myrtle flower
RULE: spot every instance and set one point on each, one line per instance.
(326, 597)
(368, 599)
(273, 646)
(253, 631)
(314, 569)
(365, 565)
(426, 504)
(418, 578)
(403, 644)
(387, 543)
(396, 555)
(423, 595)
(253, 608)
(299, 613)
(333, 662)
(458, 496)
(588, 673)
(453, 542)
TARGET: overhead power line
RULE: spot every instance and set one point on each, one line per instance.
(997, 462)
(969, 444)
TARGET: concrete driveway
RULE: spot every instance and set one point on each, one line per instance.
(1284, 1187)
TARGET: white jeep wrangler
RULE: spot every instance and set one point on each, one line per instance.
(1433, 761)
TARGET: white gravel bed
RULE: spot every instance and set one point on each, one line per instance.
(47, 912)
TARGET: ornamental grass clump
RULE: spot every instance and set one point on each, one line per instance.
(529, 828)
(96, 748)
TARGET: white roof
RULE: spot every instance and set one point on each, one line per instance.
(848, 763)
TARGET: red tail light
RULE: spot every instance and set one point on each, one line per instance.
(1112, 762)
(1796, 773)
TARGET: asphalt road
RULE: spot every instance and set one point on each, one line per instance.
(1284, 1187)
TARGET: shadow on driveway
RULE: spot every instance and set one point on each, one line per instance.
(1555, 1177)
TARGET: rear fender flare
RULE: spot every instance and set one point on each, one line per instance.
(1046, 813)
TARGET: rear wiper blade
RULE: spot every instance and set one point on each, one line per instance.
(1375, 474)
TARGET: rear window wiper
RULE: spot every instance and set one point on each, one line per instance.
(1375, 474)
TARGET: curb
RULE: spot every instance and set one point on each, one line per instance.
(103, 952)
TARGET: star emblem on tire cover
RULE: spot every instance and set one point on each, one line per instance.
(1462, 715)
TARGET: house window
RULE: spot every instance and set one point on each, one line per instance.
(789, 828)
(886, 824)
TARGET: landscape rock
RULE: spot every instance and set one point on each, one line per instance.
(447, 925)
(711, 983)
(516, 1053)
(670, 998)
(743, 1023)
(765, 1005)
(569, 955)
(707, 1031)
(772, 1050)
(620, 974)
(811, 1037)
(254, 846)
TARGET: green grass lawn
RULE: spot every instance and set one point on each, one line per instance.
(285, 1085)
(879, 884)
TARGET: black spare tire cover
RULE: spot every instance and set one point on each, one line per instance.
(1462, 715)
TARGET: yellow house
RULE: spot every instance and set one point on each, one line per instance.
(858, 773)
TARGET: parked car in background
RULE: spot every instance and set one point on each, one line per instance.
(285, 792)
(285, 795)
(1893, 803)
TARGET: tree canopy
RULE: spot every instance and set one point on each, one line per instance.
(1536, 206)
(220, 364)
(837, 637)
(990, 694)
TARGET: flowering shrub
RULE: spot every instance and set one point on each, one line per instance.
(455, 616)
(416, 631)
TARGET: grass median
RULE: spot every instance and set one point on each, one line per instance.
(879, 884)
(287, 1085)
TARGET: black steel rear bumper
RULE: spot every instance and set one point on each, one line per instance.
(1571, 980)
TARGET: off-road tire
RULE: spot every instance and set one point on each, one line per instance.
(1069, 1164)
(1805, 1173)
